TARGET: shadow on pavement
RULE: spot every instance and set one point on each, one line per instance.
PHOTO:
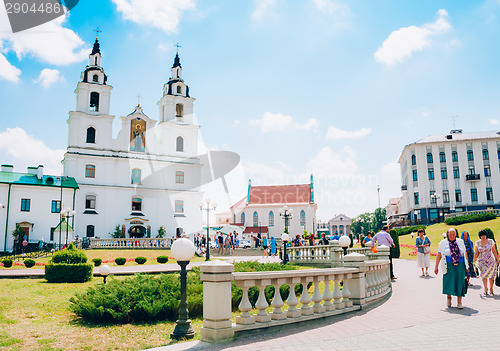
(466, 311)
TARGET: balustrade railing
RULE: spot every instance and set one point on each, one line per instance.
(130, 243)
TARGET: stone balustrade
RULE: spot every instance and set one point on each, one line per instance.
(130, 243)
(334, 291)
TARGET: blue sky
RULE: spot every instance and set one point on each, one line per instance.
(333, 88)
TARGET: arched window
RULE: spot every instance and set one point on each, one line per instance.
(255, 219)
(95, 78)
(179, 144)
(413, 160)
(179, 177)
(90, 135)
(442, 157)
(341, 229)
(89, 171)
(136, 204)
(179, 89)
(454, 156)
(90, 231)
(302, 218)
(90, 202)
(429, 157)
(136, 176)
(94, 101)
(243, 217)
(179, 206)
(470, 155)
(179, 110)
(271, 218)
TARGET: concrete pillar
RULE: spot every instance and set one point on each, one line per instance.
(216, 277)
(336, 253)
(383, 252)
(357, 284)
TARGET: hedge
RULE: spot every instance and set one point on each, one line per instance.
(29, 263)
(162, 259)
(97, 261)
(69, 255)
(395, 251)
(7, 263)
(470, 218)
(408, 230)
(141, 260)
(68, 273)
(120, 261)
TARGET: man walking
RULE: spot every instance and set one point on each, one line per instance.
(384, 238)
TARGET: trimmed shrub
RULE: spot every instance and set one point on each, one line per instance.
(69, 255)
(97, 261)
(352, 241)
(68, 273)
(29, 263)
(7, 262)
(120, 261)
(408, 230)
(395, 251)
(162, 259)
(470, 218)
(140, 260)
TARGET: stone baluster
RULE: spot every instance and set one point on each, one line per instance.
(245, 305)
(327, 295)
(346, 294)
(277, 302)
(305, 299)
(261, 303)
(357, 284)
(316, 297)
(292, 302)
(369, 282)
(337, 294)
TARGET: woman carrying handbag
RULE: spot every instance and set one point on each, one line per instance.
(423, 245)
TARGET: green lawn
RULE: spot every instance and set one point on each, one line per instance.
(435, 234)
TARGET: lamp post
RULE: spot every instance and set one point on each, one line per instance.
(104, 271)
(67, 213)
(207, 208)
(285, 238)
(434, 198)
(183, 251)
(286, 213)
(344, 243)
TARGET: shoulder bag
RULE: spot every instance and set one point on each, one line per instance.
(427, 249)
(497, 279)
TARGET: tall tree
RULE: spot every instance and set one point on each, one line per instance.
(378, 219)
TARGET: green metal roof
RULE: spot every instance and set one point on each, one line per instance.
(62, 226)
(32, 179)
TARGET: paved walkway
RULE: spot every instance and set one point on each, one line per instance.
(415, 317)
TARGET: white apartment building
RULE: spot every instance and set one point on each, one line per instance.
(449, 173)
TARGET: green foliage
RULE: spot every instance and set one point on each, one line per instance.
(161, 232)
(29, 263)
(140, 260)
(68, 273)
(396, 251)
(162, 259)
(18, 233)
(69, 255)
(378, 219)
(469, 218)
(120, 261)
(286, 231)
(7, 262)
(118, 233)
(362, 223)
(97, 261)
(408, 230)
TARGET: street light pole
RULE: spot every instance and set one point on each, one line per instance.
(207, 208)
(286, 213)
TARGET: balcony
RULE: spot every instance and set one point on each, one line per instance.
(404, 187)
(472, 177)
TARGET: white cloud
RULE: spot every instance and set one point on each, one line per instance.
(494, 122)
(236, 123)
(329, 6)
(338, 134)
(392, 171)
(272, 122)
(48, 77)
(403, 42)
(23, 150)
(330, 163)
(161, 14)
(8, 71)
(262, 9)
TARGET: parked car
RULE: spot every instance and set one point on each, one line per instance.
(244, 244)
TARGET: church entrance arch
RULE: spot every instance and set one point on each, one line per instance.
(137, 231)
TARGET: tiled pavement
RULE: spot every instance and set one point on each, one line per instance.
(415, 317)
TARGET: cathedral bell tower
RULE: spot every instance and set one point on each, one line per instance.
(176, 105)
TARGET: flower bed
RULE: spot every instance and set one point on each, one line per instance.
(414, 252)
(104, 261)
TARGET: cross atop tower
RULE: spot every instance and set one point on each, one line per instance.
(177, 45)
(139, 97)
(97, 31)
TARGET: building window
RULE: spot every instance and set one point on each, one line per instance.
(416, 199)
(456, 173)
(446, 196)
(413, 160)
(94, 101)
(442, 157)
(90, 231)
(271, 218)
(454, 156)
(243, 218)
(498, 153)
(136, 204)
(180, 144)
(415, 176)
(430, 172)
(432, 196)
(179, 89)
(25, 205)
(472, 170)
(487, 171)
(90, 135)
(56, 206)
(429, 157)
(486, 155)
(95, 78)
(90, 202)
(489, 194)
(473, 195)
(444, 173)
(89, 171)
(179, 206)
(302, 218)
(136, 176)
(458, 195)
(255, 219)
(470, 155)
(179, 110)
(179, 177)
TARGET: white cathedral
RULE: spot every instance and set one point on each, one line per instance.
(146, 178)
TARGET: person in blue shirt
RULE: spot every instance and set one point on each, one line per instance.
(336, 236)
